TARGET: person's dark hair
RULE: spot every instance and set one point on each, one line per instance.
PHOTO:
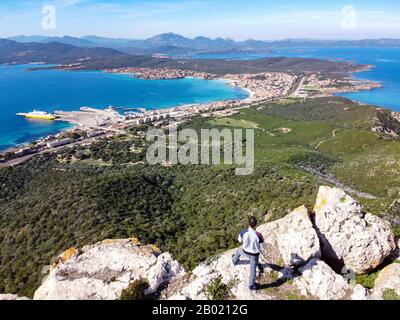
(252, 221)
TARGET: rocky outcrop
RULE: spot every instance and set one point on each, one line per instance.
(235, 277)
(295, 261)
(388, 279)
(349, 236)
(294, 236)
(102, 271)
(319, 280)
(9, 297)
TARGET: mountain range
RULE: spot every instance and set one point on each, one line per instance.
(99, 58)
(175, 43)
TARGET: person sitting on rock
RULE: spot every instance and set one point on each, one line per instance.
(252, 242)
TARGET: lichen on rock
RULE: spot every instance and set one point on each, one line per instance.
(388, 278)
(319, 280)
(349, 236)
(294, 237)
(101, 271)
(300, 254)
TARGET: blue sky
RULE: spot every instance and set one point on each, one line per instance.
(238, 19)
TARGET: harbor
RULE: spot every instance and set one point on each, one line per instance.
(90, 124)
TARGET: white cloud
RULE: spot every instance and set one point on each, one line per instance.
(193, 17)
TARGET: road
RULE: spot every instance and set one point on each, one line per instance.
(294, 91)
(331, 179)
(17, 161)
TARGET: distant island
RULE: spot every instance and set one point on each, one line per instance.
(97, 58)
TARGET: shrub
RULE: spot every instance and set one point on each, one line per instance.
(135, 291)
(217, 290)
(293, 296)
(273, 275)
(390, 294)
(387, 120)
(367, 280)
(314, 161)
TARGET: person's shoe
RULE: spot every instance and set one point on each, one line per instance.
(254, 287)
(260, 268)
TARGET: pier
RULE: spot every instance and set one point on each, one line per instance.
(91, 118)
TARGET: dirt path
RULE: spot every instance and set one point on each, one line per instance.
(331, 179)
(324, 140)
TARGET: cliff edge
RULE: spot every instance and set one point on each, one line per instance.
(308, 255)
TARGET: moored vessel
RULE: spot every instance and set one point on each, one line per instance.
(40, 115)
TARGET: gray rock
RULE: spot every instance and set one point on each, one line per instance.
(348, 235)
(294, 237)
(360, 293)
(235, 277)
(102, 271)
(320, 281)
(388, 278)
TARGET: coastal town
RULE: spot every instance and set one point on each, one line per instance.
(90, 125)
(260, 86)
(266, 85)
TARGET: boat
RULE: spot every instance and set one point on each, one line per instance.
(39, 115)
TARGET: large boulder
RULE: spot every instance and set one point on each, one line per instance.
(294, 237)
(349, 236)
(388, 279)
(103, 270)
(317, 279)
(291, 240)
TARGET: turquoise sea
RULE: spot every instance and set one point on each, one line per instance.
(50, 90)
(385, 60)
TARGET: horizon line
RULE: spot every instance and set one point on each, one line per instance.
(192, 38)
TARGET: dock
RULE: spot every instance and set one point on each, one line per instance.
(90, 118)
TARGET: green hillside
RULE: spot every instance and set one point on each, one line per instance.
(87, 194)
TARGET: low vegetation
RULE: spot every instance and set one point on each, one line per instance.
(388, 122)
(230, 122)
(217, 290)
(273, 275)
(390, 294)
(135, 291)
(86, 194)
(367, 280)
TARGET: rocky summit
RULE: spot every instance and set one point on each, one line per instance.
(303, 258)
(294, 236)
(103, 270)
(348, 235)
